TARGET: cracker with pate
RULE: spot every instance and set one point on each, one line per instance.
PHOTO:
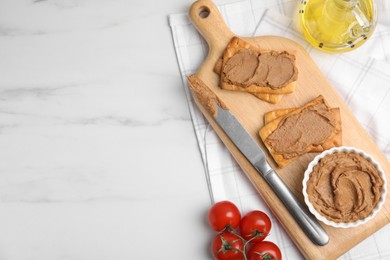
(315, 127)
(270, 98)
(248, 68)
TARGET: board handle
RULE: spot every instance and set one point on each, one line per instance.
(209, 22)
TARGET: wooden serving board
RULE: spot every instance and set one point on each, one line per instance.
(250, 111)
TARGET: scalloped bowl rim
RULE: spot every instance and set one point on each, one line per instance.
(347, 149)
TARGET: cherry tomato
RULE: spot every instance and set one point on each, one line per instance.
(224, 214)
(255, 226)
(264, 250)
(228, 246)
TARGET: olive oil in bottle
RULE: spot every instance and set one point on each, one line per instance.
(337, 25)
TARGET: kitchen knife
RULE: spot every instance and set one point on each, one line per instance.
(255, 155)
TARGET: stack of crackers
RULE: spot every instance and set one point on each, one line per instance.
(263, 90)
(300, 141)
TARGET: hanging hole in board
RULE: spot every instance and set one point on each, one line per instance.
(204, 12)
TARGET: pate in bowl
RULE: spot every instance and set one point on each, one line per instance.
(344, 187)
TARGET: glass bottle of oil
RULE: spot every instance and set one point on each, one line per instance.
(337, 25)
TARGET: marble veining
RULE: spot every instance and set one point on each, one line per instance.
(95, 133)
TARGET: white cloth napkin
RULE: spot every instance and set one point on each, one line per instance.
(362, 78)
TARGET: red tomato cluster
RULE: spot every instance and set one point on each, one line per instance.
(236, 234)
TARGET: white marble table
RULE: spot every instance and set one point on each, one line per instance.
(98, 157)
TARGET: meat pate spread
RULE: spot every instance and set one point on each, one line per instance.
(344, 187)
(272, 69)
(295, 133)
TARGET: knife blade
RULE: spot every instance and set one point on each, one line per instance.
(255, 155)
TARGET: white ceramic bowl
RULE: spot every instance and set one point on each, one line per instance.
(343, 149)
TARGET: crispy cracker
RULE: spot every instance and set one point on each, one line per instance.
(237, 44)
(270, 98)
(272, 115)
(335, 139)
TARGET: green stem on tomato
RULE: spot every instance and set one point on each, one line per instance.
(256, 234)
(227, 228)
(246, 242)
